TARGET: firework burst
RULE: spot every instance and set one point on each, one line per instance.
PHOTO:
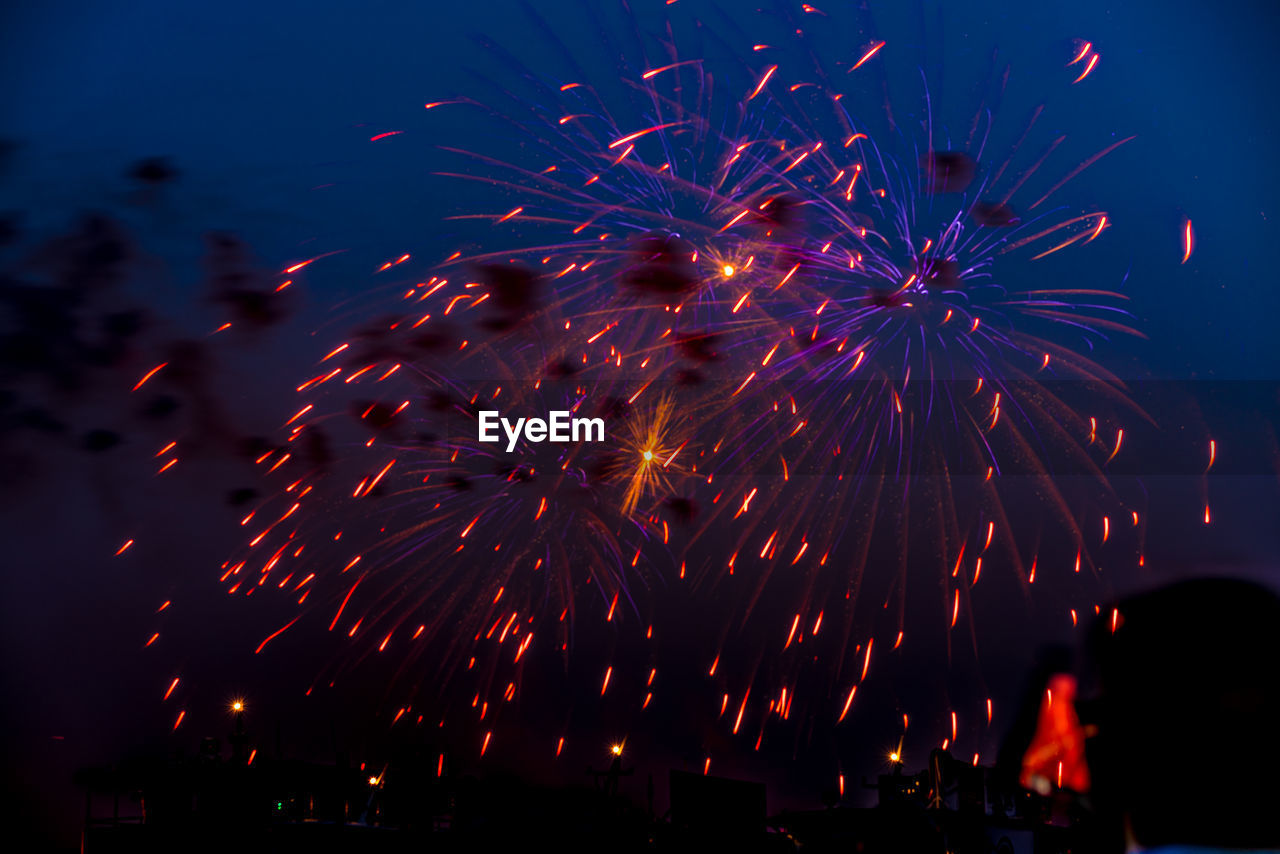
(838, 368)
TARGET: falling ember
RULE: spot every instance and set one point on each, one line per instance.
(759, 86)
(148, 375)
(1188, 241)
(124, 548)
(847, 703)
(871, 51)
(1119, 442)
(182, 714)
(1088, 68)
(275, 634)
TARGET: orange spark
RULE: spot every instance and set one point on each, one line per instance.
(149, 374)
(872, 51)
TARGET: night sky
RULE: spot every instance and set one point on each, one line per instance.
(266, 112)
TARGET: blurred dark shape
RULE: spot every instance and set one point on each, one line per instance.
(90, 257)
(187, 366)
(664, 266)
(994, 214)
(253, 447)
(889, 299)
(437, 401)
(41, 420)
(682, 510)
(190, 369)
(698, 346)
(124, 324)
(940, 274)
(241, 496)
(389, 339)
(606, 465)
(781, 212)
(432, 342)
(9, 227)
(99, 440)
(160, 407)
(513, 294)
(8, 150)
(862, 220)
(1180, 694)
(560, 369)
(238, 281)
(254, 308)
(43, 337)
(41, 328)
(107, 354)
(153, 171)
(688, 376)
(316, 448)
(948, 171)
(57, 328)
(612, 408)
(458, 483)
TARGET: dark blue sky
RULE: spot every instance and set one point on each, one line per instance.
(259, 102)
